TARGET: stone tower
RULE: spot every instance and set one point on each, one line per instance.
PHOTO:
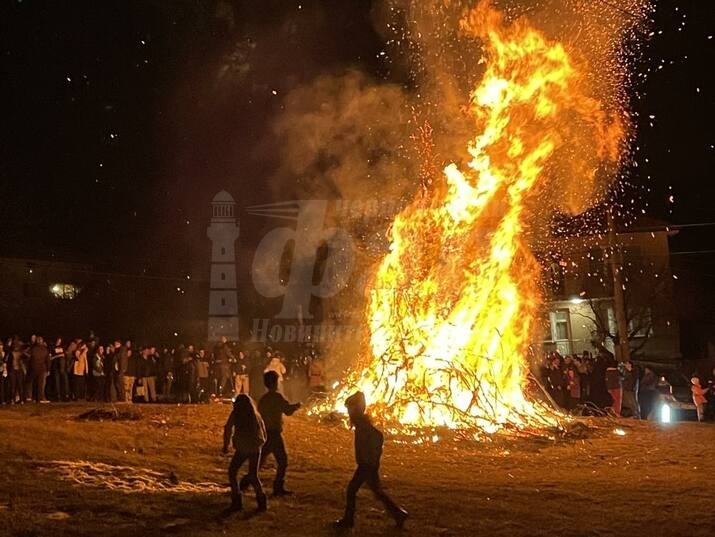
(223, 299)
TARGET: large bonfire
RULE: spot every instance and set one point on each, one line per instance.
(453, 306)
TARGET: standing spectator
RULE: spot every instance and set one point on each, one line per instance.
(573, 387)
(111, 375)
(190, 366)
(555, 380)
(614, 386)
(3, 374)
(316, 375)
(146, 373)
(647, 392)
(16, 372)
(203, 374)
(168, 374)
(80, 370)
(599, 393)
(58, 369)
(276, 364)
(583, 366)
(710, 405)
(255, 374)
(222, 366)
(698, 396)
(630, 389)
(152, 371)
(98, 374)
(127, 371)
(39, 369)
(241, 380)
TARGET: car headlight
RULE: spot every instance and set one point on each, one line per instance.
(665, 413)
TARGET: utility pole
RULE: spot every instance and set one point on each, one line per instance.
(615, 258)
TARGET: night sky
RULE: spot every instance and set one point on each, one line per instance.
(122, 119)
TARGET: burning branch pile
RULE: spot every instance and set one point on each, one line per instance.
(453, 305)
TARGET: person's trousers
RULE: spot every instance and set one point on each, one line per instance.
(62, 385)
(630, 401)
(241, 384)
(128, 386)
(79, 388)
(700, 408)
(274, 446)
(149, 389)
(252, 479)
(17, 385)
(369, 475)
(38, 386)
(617, 396)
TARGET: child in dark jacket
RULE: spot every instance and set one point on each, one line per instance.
(272, 406)
(368, 451)
(245, 426)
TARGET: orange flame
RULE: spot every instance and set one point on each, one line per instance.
(453, 305)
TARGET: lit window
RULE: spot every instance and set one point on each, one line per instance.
(65, 291)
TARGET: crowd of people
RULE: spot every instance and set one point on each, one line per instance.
(89, 370)
(626, 389)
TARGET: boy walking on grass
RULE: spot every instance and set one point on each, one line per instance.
(368, 451)
(272, 406)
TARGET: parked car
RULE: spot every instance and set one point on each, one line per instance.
(675, 400)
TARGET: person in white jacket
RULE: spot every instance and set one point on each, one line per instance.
(276, 364)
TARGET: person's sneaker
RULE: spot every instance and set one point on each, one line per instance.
(343, 524)
(236, 504)
(262, 503)
(44, 401)
(400, 517)
(282, 492)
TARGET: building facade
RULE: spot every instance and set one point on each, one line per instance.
(580, 309)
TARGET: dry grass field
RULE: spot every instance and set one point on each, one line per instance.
(164, 474)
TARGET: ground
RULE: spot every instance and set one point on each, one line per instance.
(164, 474)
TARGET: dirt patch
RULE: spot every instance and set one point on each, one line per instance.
(111, 414)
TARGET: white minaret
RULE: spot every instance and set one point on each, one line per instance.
(223, 300)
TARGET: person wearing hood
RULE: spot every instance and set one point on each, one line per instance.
(368, 451)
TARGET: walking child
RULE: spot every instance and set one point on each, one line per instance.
(368, 451)
(248, 432)
(272, 405)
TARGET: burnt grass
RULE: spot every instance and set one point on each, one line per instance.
(163, 473)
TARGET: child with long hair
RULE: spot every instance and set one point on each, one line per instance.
(245, 427)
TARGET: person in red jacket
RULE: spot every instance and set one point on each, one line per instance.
(368, 451)
(698, 396)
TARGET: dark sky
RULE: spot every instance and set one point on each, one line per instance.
(115, 136)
